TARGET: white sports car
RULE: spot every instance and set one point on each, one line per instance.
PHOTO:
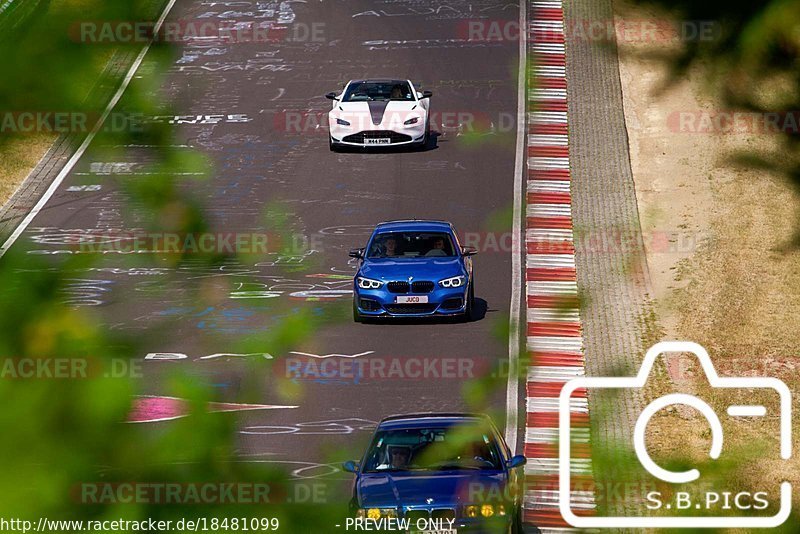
(371, 113)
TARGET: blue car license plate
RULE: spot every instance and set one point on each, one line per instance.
(412, 299)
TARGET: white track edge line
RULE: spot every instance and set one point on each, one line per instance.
(89, 138)
(520, 164)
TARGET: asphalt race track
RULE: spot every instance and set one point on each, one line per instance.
(253, 109)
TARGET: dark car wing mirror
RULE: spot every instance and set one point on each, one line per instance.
(517, 461)
(357, 253)
(427, 94)
(350, 466)
(469, 251)
(331, 96)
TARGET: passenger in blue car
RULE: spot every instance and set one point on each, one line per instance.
(390, 247)
(385, 248)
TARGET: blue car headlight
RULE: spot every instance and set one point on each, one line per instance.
(342, 122)
(413, 120)
(368, 283)
(456, 281)
(376, 513)
(484, 510)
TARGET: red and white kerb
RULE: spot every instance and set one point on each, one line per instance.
(554, 339)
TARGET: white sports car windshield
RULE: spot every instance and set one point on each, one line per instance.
(366, 91)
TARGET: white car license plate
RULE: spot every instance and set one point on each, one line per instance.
(422, 299)
(381, 141)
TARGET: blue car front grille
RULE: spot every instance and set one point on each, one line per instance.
(443, 513)
(436, 513)
(398, 287)
(414, 287)
(399, 309)
(413, 515)
(422, 287)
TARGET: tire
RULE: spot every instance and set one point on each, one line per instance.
(427, 138)
(356, 316)
(469, 311)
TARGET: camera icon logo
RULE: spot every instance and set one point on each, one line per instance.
(673, 477)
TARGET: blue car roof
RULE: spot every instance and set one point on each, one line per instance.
(418, 226)
(418, 420)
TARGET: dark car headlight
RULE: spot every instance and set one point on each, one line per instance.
(368, 283)
(456, 281)
(342, 122)
(413, 120)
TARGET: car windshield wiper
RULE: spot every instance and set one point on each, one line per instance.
(444, 467)
(400, 469)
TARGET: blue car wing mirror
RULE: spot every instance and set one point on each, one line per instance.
(350, 466)
(517, 461)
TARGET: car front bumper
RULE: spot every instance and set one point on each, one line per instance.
(383, 303)
(358, 136)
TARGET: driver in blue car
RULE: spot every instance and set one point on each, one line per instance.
(398, 458)
(437, 248)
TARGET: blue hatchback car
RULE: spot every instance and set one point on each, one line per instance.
(413, 269)
(449, 473)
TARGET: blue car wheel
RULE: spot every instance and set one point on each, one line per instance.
(469, 310)
(356, 315)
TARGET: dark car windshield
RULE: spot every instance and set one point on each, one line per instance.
(411, 245)
(463, 447)
(364, 91)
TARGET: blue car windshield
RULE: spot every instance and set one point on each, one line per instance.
(411, 245)
(365, 91)
(434, 449)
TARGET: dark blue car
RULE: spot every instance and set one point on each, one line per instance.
(454, 468)
(413, 269)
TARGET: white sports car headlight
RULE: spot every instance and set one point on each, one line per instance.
(456, 281)
(342, 122)
(367, 283)
(413, 120)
